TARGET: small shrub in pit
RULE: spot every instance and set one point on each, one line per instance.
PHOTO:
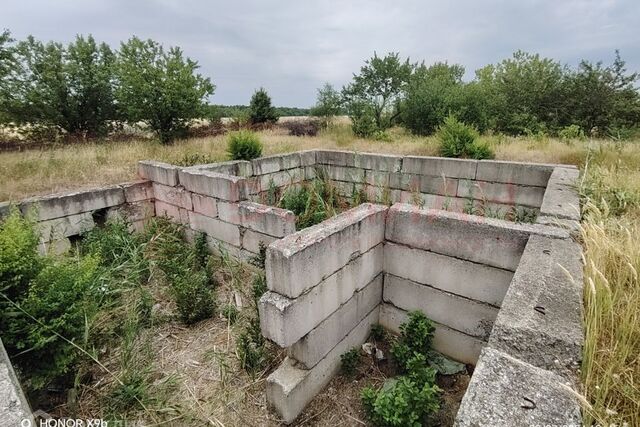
(415, 338)
(244, 145)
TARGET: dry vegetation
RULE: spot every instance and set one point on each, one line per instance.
(611, 232)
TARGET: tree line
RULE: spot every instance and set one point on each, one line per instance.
(525, 94)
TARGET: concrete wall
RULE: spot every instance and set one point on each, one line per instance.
(61, 217)
(14, 407)
(325, 285)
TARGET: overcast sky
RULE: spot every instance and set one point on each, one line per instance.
(292, 46)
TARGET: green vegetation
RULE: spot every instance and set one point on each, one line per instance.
(234, 110)
(460, 140)
(260, 108)
(349, 361)
(411, 398)
(312, 202)
(244, 145)
(328, 104)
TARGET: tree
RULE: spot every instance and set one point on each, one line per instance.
(7, 63)
(54, 88)
(328, 104)
(260, 108)
(380, 84)
(160, 88)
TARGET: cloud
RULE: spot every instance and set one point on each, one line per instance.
(292, 47)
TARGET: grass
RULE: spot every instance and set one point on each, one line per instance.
(610, 235)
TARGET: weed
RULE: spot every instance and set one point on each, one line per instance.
(259, 287)
(260, 258)
(349, 361)
(377, 332)
(250, 348)
(415, 338)
(230, 312)
(312, 202)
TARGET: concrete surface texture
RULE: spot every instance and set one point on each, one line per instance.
(504, 296)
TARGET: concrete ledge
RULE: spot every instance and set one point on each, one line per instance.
(464, 278)
(251, 240)
(317, 343)
(137, 191)
(176, 196)
(67, 204)
(378, 162)
(225, 187)
(507, 392)
(511, 194)
(241, 168)
(162, 173)
(514, 172)
(462, 314)
(14, 407)
(215, 228)
(290, 387)
(561, 199)
(454, 344)
(301, 260)
(72, 225)
(265, 219)
(285, 320)
(345, 174)
(336, 157)
(540, 321)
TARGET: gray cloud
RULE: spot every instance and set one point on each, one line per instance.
(292, 47)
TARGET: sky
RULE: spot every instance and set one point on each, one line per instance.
(291, 47)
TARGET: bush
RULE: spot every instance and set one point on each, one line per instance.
(260, 108)
(415, 339)
(571, 132)
(302, 127)
(244, 145)
(250, 348)
(349, 361)
(312, 203)
(460, 140)
(363, 119)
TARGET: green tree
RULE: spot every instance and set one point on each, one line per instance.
(260, 108)
(328, 104)
(160, 88)
(380, 85)
(7, 63)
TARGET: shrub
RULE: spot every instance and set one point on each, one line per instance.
(459, 140)
(312, 203)
(250, 348)
(300, 127)
(260, 108)
(349, 361)
(193, 295)
(230, 312)
(415, 338)
(571, 132)
(363, 119)
(244, 145)
(328, 104)
(258, 287)
(377, 332)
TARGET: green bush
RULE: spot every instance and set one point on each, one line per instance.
(460, 140)
(260, 108)
(250, 348)
(244, 145)
(571, 132)
(415, 339)
(349, 361)
(363, 119)
(312, 203)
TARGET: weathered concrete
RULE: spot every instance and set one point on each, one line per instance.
(336, 158)
(137, 191)
(225, 187)
(507, 392)
(438, 166)
(290, 387)
(378, 162)
(176, 196)
(251, 240)
(159, 172)
(14, 407)
(62, 205)
(464, 278)
(286, 320)
(174, 213)
(456, 345)
(346, 174)
(215, 228)
(265, 219)
(511, 194)
(204, 205)
(462, 314)
(132, 212)
(561, 198)
(72, 225)
(540, 321)
(317, 343)
(514, 172)
(301, 260)
(229, 212)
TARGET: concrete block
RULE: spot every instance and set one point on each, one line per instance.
(404, 181)
(265, 165)
(265, 219)
(72, 225)
(282, 178)
(174, 213)
(378, 162)
(137, 191)
(317, 343)
(454, 344)
(132, 212)
(290, 387)
(570, 225)
(464, 278)
(301, 260)
(215, 228)
(346, 174)
(376, 178)
(507, 392)
(335, 158)
(55, 247)
(307, 157)
(310, 172)
(462, 314)
(514, 172)
(240, 168)
(225, 187)
(251, 240)
(159, 172)
(176, 196)
(433, 201)
(286, 320)
(220, 248)
(61, 205)
(14, 407)
(439, 185)
(510, 194)
(438, 166)
(482, 240)
(346, 189)
(540, 321)
(205, 205)
(229, 212)
(561, 199)
(5, 208)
